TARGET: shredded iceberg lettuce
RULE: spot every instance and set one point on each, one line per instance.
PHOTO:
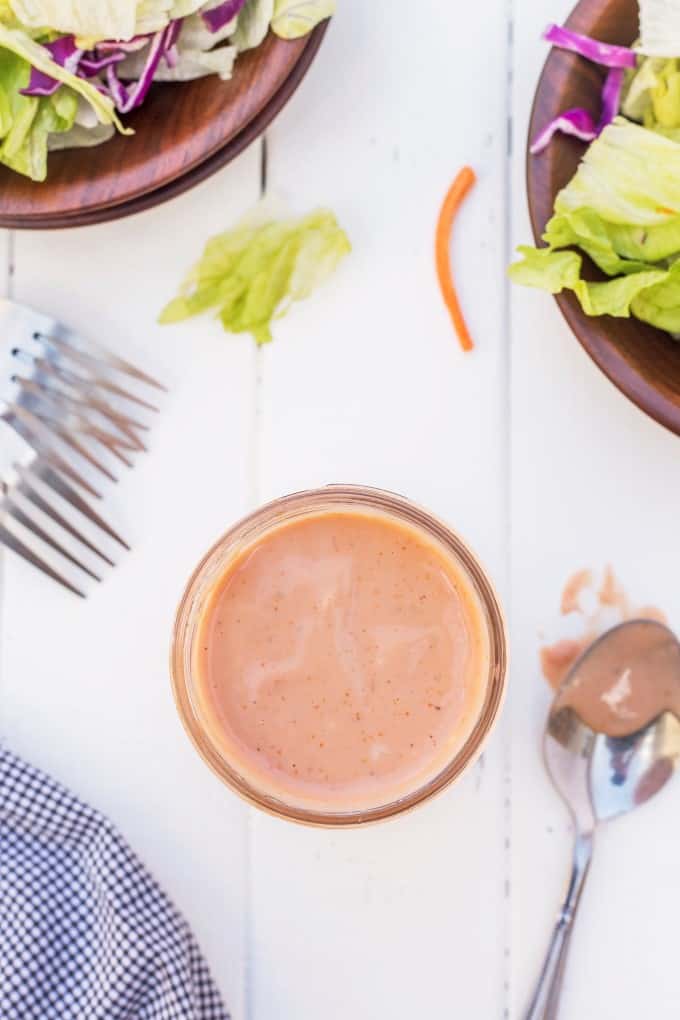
(104, 55)
(27, 123)
(622, 209)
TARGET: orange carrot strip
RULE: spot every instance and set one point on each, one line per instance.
(454, 197)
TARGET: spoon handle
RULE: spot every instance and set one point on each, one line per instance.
(545, 1003)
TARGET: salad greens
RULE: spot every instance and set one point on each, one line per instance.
(253, 273)
(93, 22)
(253, 23)
(652, 95)
(26, 122)
(39, 57)
(293, 18)
(83, 63)
(622, 207)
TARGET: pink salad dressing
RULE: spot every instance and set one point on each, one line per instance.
(341, 660)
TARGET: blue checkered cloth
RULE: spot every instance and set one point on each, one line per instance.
(85, 932)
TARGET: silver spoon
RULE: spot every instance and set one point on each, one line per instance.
(612, 741)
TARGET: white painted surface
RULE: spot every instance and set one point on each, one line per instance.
(522, 446)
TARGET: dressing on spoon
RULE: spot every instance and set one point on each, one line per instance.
(620, 685)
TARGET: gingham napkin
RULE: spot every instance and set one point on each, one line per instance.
(85, 932)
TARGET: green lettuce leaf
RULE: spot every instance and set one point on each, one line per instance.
(98, 20)
(294, 18)
(660, 304)
(18, 42)
(556, 271)
(652, 295)
(253, 24)
(27, 122)
(253, 273)
(614, 247)
(153, 15)
(629, 175)
(622, 207)
(622, 210)
(92, 20)
(638, 83)
(652, 94)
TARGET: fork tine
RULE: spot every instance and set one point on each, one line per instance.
(27, 489)
(87, 383)
(17, 546)
(76, 405)
(48, 414)
(111, 442)
(12, 508)
(67, 437)
(114, 446)
(118, 391)
(39, 439)
(123, 421)
(134, 443)
(49, 477)
(125, 425)
(103, 356)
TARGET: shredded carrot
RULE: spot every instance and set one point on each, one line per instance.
(454, 197)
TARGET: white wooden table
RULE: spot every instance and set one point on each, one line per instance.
(523, 446)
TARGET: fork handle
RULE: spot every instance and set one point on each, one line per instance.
(545, 1002)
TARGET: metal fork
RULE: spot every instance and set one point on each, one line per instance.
(71, 411)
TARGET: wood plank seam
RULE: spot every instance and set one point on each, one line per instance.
(507, 485)
(249, 976)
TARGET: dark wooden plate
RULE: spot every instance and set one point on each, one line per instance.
(643, 362)
(184, 132)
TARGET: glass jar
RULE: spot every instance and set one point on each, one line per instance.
(211, 569)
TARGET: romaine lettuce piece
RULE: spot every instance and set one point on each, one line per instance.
(18, 42)
(294, 18)
(651, 295)
(613, 246)
(556, 271)
(79, 137)
(103, 19)
(253, 24)
(629, 175)
(191, 63)
(197, 54)
(653, 94)
(622, 208)
(154, 15)
(28, 122)
(252, 274)
(92, 20)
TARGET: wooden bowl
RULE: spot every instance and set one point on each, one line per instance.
(183, 133)
(643, 362)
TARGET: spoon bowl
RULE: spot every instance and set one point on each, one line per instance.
(627, 771)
